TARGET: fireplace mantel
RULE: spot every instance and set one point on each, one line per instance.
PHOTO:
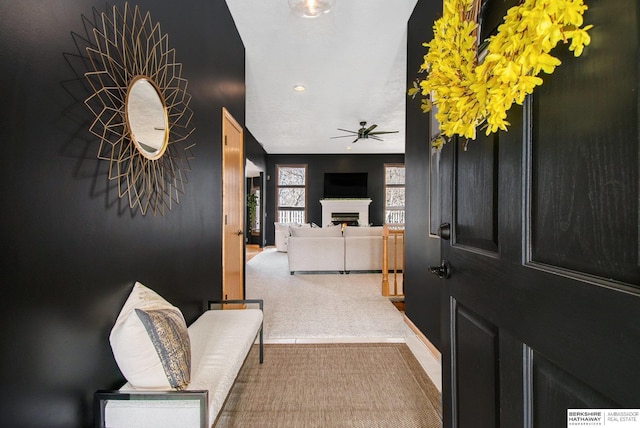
(330, 206)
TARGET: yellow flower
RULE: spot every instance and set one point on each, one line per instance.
(425, 105)
(579, 39)
(438, 143)
(468, 94)
(413, 91)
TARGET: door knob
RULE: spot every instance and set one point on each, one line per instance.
(239, 232)
(443, 271)
(444, 231)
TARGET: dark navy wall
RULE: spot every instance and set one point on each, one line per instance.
(422, 290)
(254, 152)
(319, 164)
(71, 250)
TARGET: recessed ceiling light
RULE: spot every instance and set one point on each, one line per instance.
(349, 147)
(310, 8)
(299, 88)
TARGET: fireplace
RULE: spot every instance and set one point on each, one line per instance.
(349, 211)
(350, 219)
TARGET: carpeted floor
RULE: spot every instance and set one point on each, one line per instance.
(333, 385)
(304, 307)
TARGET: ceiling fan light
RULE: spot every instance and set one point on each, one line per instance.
(310, 8)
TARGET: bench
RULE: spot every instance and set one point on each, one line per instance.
(220, 342)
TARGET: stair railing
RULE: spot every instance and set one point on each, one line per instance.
(396, 265)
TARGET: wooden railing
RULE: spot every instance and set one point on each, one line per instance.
(391, 237)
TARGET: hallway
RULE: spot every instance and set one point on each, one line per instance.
(328, 308)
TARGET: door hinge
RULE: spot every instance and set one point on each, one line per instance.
(225, 140)
(225, 220)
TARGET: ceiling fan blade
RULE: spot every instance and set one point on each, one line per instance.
(346, 130)
(369, 129)
(383, 132)
(364, 133)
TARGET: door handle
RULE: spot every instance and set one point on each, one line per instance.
(444, 231)
(443, 271)
(239, 232)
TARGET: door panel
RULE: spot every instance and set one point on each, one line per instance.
(542, 309)
(583, 189)
(555, 391)
(476, 345)
(476, 195)
(233, 208)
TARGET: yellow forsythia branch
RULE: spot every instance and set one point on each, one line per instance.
(468, 94)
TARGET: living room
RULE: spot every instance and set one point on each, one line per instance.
(317, 165)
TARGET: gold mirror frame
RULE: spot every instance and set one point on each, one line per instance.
(128, 47)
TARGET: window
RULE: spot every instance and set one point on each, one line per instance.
(291, 193)
(394, 194)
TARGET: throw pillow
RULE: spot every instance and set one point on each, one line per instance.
(132, 345)
(282, 227)
(316, 232)
(168, 333)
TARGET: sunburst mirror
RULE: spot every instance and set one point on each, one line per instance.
(141, 108)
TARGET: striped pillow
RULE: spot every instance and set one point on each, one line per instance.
(168, 333)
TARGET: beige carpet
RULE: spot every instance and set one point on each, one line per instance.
(333, 385)
(321, 305)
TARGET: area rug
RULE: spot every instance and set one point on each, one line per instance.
(333, 385)
(320, 306)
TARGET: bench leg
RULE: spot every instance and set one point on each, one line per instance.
(261, 346)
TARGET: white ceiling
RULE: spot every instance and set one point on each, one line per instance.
(352, 62)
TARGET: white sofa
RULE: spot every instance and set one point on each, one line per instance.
(363, 249)
(220, 341)
(316, 249)
(345, 250)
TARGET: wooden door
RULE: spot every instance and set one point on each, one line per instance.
(232, 208)
(541, 312)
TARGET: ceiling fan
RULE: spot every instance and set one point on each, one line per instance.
(364, 132)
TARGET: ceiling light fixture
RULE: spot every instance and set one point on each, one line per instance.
(310, 8)
(299, 88)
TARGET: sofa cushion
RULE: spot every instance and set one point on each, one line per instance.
(316, 232)
(132, 346)
(362, 231)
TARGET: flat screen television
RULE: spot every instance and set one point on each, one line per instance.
(345, 185)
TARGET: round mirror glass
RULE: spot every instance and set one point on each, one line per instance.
(147, 118)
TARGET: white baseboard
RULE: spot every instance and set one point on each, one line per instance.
(432, 349)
